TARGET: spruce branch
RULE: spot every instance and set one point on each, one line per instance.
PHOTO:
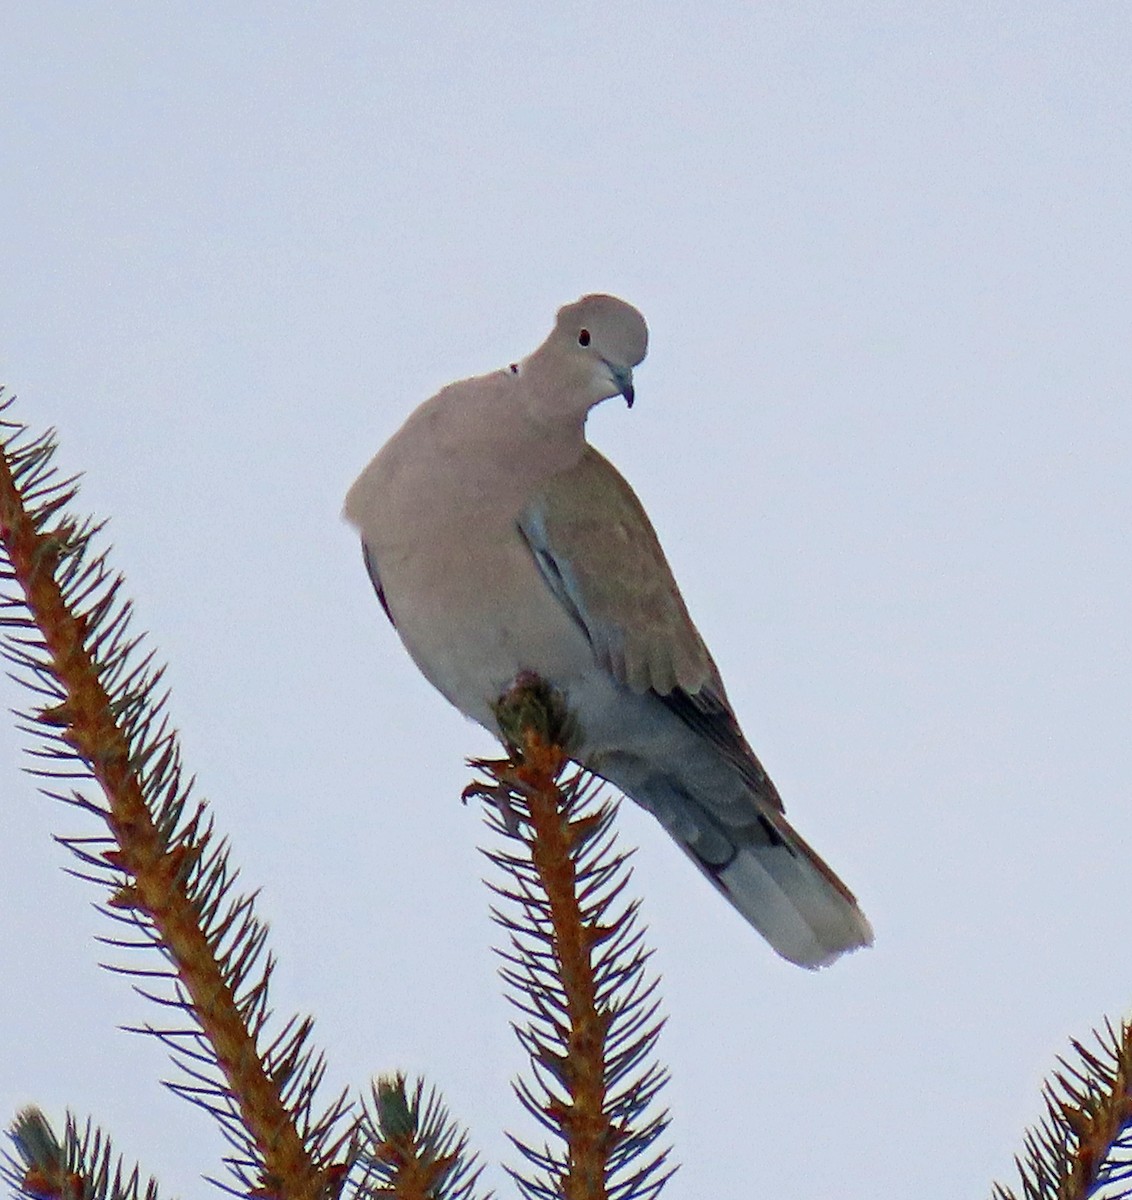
(80, 1167)
(574, 965)
(1083, 1146)
(100, 715)
(410, 1148)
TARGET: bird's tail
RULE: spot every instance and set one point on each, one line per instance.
(781, 886)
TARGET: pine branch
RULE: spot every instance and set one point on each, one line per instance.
(81, 1167)
(411, 1149)
(100, 716)
(574, 966)
(1083, 1146)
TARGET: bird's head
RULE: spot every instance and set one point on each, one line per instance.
(599, 340)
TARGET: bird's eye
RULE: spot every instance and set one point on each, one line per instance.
(584, 338)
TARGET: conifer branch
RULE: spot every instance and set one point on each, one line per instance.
(574, 966)
(411, 1149)
(100, 716)
(80, 1167)
(1083, 1146)
(575, 960)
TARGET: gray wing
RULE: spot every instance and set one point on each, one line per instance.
(375, 579)
(600, 556)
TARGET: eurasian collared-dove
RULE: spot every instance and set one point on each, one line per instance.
(501, 543)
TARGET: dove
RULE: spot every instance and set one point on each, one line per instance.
(502, 545)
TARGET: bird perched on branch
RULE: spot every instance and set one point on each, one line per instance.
(502, 544)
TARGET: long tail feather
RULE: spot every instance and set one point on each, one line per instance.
(791, 897)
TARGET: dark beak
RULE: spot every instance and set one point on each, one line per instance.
(623, 377)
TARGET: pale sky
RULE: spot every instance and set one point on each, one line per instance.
(884, 431)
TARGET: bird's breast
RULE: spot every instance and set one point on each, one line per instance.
(476, 616)
(464, 591)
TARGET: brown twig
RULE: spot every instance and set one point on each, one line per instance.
(156, 870)
(414, 1153)
(1096, 1121)
(575, 963)
(590, 1134)
(1083, 1144)
(79, 1166)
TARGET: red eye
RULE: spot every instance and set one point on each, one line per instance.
(584, 338)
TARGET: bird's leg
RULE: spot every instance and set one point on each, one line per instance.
(533, 723)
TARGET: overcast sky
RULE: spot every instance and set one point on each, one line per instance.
(884, 431)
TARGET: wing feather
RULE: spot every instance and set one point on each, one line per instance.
(600, 556)
(375, 579)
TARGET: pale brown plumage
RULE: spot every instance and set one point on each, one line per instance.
(502, 544)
